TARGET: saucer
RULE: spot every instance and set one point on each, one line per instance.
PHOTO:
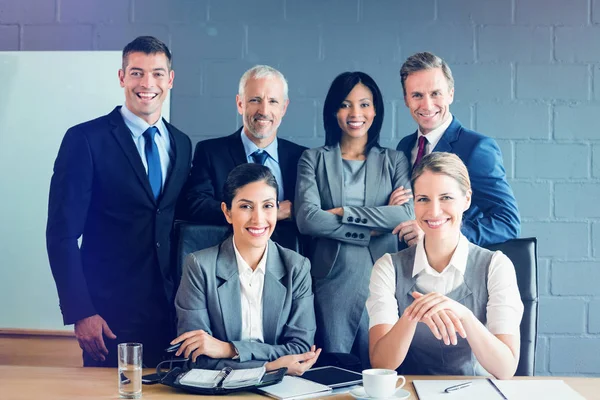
(359, 393)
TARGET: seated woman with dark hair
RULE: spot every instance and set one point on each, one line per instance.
(247, 302)
(421, 297)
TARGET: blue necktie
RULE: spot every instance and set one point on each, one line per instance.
(153, 160)
(260, 157)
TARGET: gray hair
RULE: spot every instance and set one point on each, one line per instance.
(422, 61)
(261, 72)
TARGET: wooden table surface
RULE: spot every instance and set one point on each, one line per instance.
(28, 383)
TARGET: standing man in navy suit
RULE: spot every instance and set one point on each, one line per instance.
(428, 92)
(115, 185)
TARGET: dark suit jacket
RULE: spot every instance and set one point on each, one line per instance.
(100, 191)
(213, 160)
(209, 299)
(493, 216)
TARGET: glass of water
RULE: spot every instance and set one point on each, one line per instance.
(130, 370)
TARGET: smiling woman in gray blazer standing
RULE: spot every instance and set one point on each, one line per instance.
(247, 302)
(343, 194)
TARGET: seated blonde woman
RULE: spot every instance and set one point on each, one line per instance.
(444, 306)
(247, 302)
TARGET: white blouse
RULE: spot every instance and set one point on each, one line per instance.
(504, 307)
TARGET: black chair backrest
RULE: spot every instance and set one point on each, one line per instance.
(523, 254)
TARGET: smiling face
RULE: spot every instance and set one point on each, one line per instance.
(146, 80)
(428, 97)
(253, 215)
(439, 205)
(356, 112)
(262, 107)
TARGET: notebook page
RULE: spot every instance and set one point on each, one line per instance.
(434, 390)
(243, 377)
(203, 378)
(537, 389)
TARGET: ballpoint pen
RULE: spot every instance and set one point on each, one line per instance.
(458, 387)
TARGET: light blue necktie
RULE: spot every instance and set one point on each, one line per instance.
(153, 160)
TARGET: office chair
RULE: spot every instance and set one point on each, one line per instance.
(523, 254)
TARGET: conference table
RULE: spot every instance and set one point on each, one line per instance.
(27, 382)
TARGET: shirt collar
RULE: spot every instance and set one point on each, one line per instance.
(138, 126)
(434, 136)
(250, 147)
(243, 266)
(458, 260)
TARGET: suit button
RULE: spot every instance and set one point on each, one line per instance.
(364, 221)
(350, 219)
(361, 236)
(158, 211)
(157, 244)
(354, 236)
(348, 234)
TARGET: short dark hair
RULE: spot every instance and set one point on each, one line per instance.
(244, 174)
(338, 91)
(422, 61)
(146, 45)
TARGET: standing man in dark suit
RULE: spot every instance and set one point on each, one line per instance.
(115, 185)
(428, 92)
(262, 101)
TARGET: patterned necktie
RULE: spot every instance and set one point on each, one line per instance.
(260, 157)
(153, 160)
(420, 151)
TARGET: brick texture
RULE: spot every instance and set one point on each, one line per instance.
(527, 73)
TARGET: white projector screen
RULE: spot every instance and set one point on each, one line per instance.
(46, 93)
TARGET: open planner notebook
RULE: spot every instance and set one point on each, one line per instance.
(227, 378)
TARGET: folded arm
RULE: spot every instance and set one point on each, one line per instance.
(312, 219)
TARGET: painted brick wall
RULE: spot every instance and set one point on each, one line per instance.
(527, 73)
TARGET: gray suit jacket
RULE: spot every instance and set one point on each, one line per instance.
(209, 298)
(319, 188)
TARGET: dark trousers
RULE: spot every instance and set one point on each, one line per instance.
(153, 339)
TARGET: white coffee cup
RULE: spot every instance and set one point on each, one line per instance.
(381, 383)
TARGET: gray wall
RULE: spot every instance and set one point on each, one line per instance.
(527, 73)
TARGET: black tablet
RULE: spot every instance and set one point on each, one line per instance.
(334, 377)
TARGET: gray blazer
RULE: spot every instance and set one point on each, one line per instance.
(209, 298)
(319, 188)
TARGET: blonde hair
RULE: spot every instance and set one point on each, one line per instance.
(443, 163)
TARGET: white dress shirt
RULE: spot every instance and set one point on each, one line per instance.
(251, 290)
(504, 307)
(272, 161)
(431, 139)
(138, 126)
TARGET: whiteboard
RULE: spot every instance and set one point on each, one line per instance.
(45, 93)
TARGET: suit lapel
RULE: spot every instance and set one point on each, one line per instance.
(273, 293)
(236, 148)
(374, 167)
(229, 290)
(123, 136)
(332, 158)
(408, 145)
(286, 164)
(449, 137)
